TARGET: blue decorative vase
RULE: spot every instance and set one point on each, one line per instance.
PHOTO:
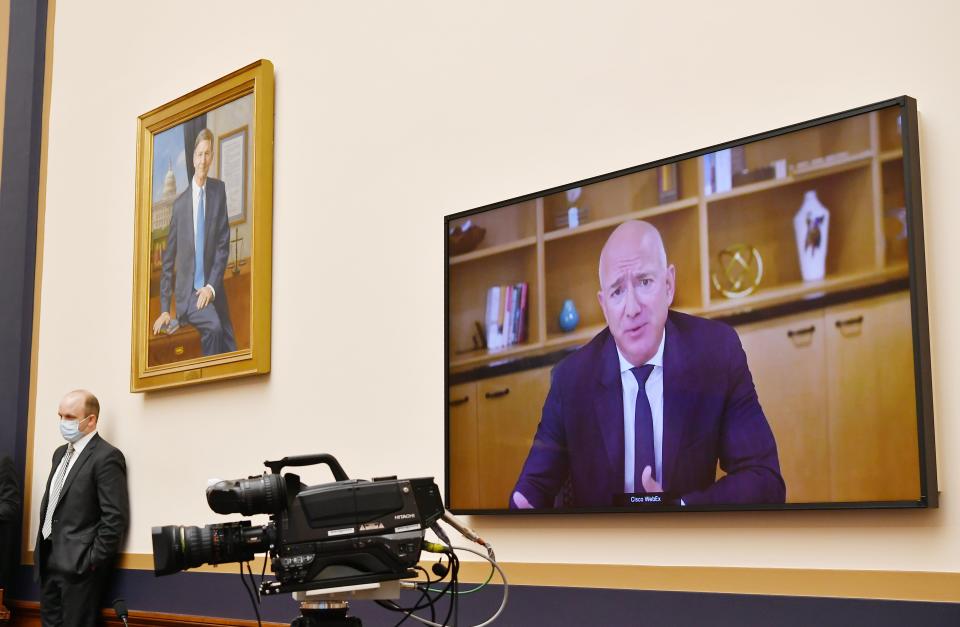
(569, 318)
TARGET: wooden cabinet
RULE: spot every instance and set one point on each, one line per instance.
(492, 423)
(871, 401)
(464, 470)
(837, 386)
(855, 165)
(787, 357)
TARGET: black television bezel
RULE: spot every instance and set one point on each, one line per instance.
(929, 495)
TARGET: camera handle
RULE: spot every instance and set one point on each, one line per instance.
(308, 460)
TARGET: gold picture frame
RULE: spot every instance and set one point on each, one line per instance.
(194, 323)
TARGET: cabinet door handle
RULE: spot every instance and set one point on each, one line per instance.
(459, 401)
(800, 332)
(497, 393)
(849, 322)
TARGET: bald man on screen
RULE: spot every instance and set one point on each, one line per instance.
(653, 403)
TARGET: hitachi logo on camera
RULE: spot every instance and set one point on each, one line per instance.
(404, 516)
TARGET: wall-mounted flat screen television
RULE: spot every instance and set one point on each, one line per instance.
(739, 327)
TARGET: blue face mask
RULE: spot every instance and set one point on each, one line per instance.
(70, 429)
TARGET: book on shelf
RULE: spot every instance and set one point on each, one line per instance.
(506, 315)
(724, 171)
(718, 172)
(708, 173)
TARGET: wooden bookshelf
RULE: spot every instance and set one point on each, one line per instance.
(855, 166)
(494, 250)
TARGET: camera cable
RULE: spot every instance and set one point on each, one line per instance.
(256, 610)
(455, 567)
(263, 571)
(423, 596)
(477, 588)
(428, 601)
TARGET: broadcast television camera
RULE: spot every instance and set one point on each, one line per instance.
(338, 534)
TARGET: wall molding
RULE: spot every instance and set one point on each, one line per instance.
(891, 585)
(807, 582)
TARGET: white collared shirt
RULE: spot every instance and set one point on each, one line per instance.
(654, 390)
(197, 190)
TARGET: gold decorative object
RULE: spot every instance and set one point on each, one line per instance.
(741, 270)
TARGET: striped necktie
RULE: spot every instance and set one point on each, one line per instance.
(55, 494)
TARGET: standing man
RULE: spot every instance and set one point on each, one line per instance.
(83, 517)
(198, 246)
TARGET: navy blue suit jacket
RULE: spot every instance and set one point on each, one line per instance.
(710, 413)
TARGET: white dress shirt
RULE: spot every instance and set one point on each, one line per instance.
(654, 389)
(197, 190)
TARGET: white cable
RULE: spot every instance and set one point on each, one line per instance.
(503, 603)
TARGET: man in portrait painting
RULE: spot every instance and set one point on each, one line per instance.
(198, 245)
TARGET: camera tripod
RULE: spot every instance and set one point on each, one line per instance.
(328, 607)
(325, 614)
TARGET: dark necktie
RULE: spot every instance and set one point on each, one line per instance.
(643, 455)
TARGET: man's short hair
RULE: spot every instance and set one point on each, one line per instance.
(204, 135)
(90, 403)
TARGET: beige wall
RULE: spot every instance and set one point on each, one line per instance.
(390, 115)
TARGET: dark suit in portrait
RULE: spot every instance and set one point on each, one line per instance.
(179, 264)
(710, 413)
(88, 527)
(10, 516)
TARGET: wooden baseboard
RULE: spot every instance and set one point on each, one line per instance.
(4, 612)
(27, 614)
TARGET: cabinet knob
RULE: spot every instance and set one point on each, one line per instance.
(801, 332)
(497, 393)
(459, 401)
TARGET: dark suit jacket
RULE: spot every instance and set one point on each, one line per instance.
(92, 514)
(180, 254)
(10, 516)
(710, 413)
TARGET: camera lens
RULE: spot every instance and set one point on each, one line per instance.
(265, 494)
(177, 548)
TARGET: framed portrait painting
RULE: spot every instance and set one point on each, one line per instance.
(202, 243)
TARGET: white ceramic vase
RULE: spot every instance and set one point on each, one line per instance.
(812, 227)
